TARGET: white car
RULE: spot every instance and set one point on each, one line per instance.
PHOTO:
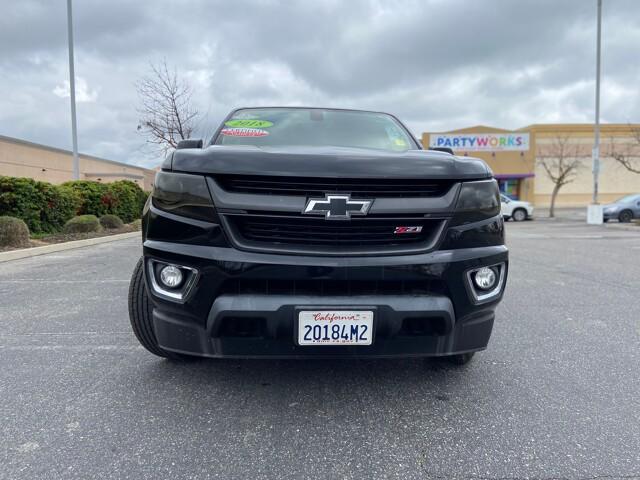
(515, 209)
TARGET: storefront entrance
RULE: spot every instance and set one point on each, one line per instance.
(513, 185)
(510, 187)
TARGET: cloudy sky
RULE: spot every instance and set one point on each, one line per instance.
(437, 64)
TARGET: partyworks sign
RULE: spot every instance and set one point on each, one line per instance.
(481, 142)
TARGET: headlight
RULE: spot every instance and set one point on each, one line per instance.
(478, 200)
(182, 194)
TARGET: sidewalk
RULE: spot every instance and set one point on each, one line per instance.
(579, 215)
(576, 214)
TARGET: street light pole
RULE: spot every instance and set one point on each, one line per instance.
(594, 213)
(596, 146)
(72, 89)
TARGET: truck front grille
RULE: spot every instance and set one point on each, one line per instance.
(358, 235)
(300, 186)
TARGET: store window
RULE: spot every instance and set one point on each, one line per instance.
(510, 187)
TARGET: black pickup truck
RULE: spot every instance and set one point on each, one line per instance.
(306, 232)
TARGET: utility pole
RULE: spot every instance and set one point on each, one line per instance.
(594, 213)
(72, 89)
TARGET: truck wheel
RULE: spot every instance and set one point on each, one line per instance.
(141, 316)
(625, 216)
(519, 215)
(460, 358)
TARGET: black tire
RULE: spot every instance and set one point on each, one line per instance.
(625, 216)
(461, 358)
(519, 215)
(605, 220)
(141, 316)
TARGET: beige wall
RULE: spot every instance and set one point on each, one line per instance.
(615, 180)
(25, 159)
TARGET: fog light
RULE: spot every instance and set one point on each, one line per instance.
(485, 278)
(171, 276)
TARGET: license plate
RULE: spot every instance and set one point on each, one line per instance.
(335, 327)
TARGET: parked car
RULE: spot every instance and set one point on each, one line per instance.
(515, 209)
(305, 232)
(624, 209)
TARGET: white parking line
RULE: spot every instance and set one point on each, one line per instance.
(74, 348)
(62, 281)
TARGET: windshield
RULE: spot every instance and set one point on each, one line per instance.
(314, 127)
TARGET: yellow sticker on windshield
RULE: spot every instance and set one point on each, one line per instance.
(400, 142)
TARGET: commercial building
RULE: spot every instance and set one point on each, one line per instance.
(516, 157)
(19, 158)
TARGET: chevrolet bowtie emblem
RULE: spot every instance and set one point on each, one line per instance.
(337, 206)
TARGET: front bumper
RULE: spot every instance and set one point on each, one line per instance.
(245, 304)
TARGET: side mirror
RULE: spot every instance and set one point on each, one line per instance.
(442, 149)
(189, 143)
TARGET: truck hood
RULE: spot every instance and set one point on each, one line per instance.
(325, 162)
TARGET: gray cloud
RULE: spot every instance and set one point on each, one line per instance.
(437, 64)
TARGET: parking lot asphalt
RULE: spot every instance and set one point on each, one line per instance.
(556, 394)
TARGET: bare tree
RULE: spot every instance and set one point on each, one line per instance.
(166, 113)
(560, 161)
(627, 154)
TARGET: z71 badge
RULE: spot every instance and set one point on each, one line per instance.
(399, 230)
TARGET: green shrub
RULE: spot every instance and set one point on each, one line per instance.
(42, 206)
(61, 204)
(95, 198)
(142, 199)
(123, 198)
(110, 221)
(137, 224)
(13, 232)
(126, 195)
(20, 197)
(45, 208)
(82, 224)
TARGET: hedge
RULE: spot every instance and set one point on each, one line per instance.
(123, 198)
(45, 208)
(42, 206)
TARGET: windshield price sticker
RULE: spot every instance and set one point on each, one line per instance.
(244, 132)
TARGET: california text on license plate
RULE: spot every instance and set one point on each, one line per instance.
(335, 327)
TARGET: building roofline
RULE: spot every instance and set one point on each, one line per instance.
(28, 143)
(114, 174)
(544, 127)
(475, 128)
(580, 127)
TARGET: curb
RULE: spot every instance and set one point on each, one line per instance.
(59, 247)
(623, 226)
